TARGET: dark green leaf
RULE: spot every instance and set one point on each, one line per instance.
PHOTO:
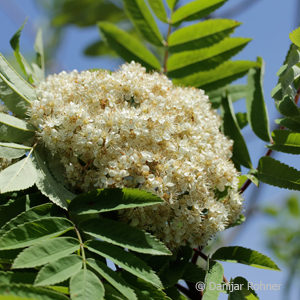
(103, 200)
(193, 273)
(218, 77)
(295, 36)
(189, 62)
(86, 285)
(203, 34)
(99, 48)
(59, 270)
(159, 9)
(19, 176)
(174, 294)
(242, 119)
(32, 232)
(125, 260)
(112, 277)
(245, 256)
(286, 141)
(45, 252)
(243, 291)
(143, 20)
(289, 123)
(232, 130)
(12, 150)
(121, 234)
(16, 277)
(196, 10)
(274, 172)
(214, 277)
(127, 46)
(256, 107)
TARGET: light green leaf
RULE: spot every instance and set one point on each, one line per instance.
(19, 176)
(13, 129)
(32, 214)
(39, 66)
(112, 277)
(242, 119)
(12, 150)
(59, 270)
(244, 293)
(143, 20)
(232, 130)
(286, 141)
(159, 9)
(218, 77)
(127, 46)
(203, 34)
(293, 206)
(214, 276)
(171, 4)
(46, 182)
(103, 200)
(295, 37)
(189, 62)
(86, 285)
(274, 172)
(30, 233)
(195, 10)
(121, 234)
(46, 252)
(256, 107)
(27, 292)
(15, 92)
(245, 256)
(125, 260)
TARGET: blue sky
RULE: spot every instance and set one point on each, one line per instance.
(268, 23)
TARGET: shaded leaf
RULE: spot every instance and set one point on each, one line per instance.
(125, 260)
(143, 20)
(112, 277)
(10, 277)
(203, 34)
(289, 123)
(12, 150)
(274, 172)
(59, 270)
(244, 293)
(218, 77)
(127, 46)
(159, 9)
(195, 10)
(45, 252)
(245, 256)
(193, 273)
(103, 200)
(19, 176)
(86, 285)
(30, 233)
(286, 141)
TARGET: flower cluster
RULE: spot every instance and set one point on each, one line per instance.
(133, 129)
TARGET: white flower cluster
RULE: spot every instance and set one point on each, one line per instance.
(133, 129)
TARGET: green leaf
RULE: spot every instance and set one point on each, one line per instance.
(46, 252)
(171, 4)
(8, 256)
(59, 270)
(159, 9)
(143, 20)
(218, 77)
(13, 129)
(214, 277)
(19, 291)
(274, 172)
(193, 273)
(12, 150)
(86, 285)
(99, 48)
(245, 256)
(121, 234)
(232, 130)
(125, 260)
(243, 291)
(174, 294)
(256, 107)
(46, 182)
(30, 233)
(39, 65)
(112, 277)
(19, 176)
(286, 141)
(15, 92)
(127, 46)
(242, 119)
(203, 34)
(32, 214)
(111, 293)
(295, 36)
(195, 10)
(189, 62)
(103, 200)
(289, 123)
(16, 277)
